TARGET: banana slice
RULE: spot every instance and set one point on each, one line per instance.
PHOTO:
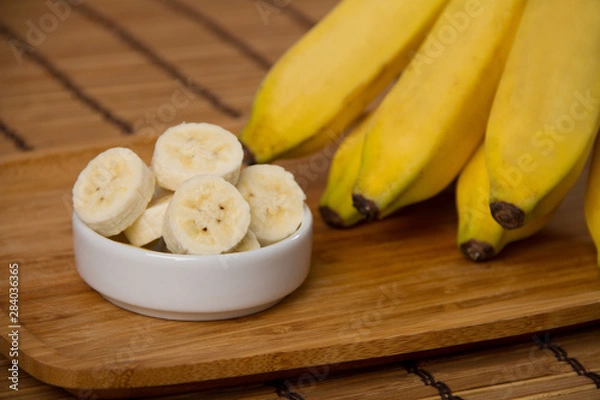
(112, 191)
(189, 149)
(207, 215)
(249, 242)
(148, 226)
(276, 201)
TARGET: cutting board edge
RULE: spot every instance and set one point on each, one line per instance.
(51, 367)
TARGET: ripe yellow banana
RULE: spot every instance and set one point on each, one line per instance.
(326, 80)
(592, 199)
(547, 109)
(434, 117)
(335, 204)
(479, 236)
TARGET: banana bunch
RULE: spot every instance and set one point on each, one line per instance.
(195, 195)
(480, 237)
(546, 112)
(324, 82)
(503, 95)
(592, 199)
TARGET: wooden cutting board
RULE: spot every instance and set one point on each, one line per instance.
(382, 289)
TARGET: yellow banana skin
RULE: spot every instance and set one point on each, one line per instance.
(592, 199)
(479, 236)
(547, 109)
(325, 81)
(325, 138)
(433, 119)
(335, 205)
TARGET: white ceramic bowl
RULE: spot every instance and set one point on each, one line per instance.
(188, 287)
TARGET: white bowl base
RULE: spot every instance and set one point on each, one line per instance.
(191, 316)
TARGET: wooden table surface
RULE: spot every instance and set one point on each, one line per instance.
(88, 73)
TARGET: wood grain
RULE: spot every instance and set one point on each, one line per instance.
(389, 288)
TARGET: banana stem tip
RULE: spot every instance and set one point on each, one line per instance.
(477, 250)
(507, 215)
(366, 207)
(331, 217)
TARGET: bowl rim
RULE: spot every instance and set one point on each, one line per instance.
(303, 229)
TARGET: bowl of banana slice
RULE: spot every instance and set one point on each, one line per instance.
(193, 236)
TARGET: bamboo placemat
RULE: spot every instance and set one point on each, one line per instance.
(79, 72)
(543, 366)
(85, 72)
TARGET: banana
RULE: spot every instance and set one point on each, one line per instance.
(479, 236)
(206, 215)
(148, 226)
(189, 149)
(335, 204)
(112, 191)
(325, 81)
(592, 199)
(249, 242)
(547, 110)
(276, 201)
(433, 119)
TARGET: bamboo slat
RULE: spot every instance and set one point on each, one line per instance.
(104, 74)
